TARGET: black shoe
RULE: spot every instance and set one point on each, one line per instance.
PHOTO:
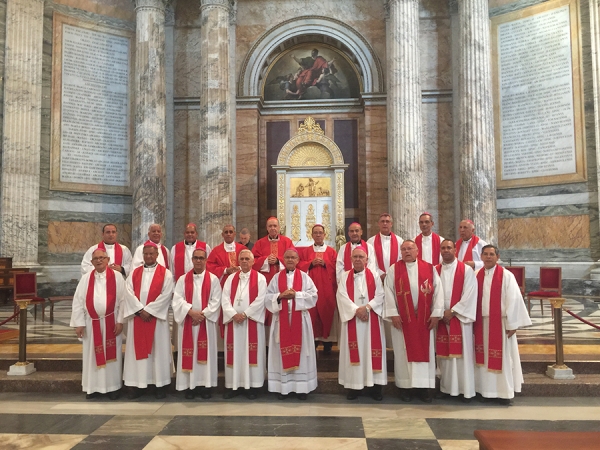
(135, 392)
(504, 401)
(230, 393)
(352, 394)
(405, 395)
(327, 347)
(376, 392)
(252, 394)
(465, 399)
(425, 396)
(480, 398)
(92, 395)
(282, 396)
(189, 394)
(302, 396)
(114, 395)
(161, 393)
(441, 395)
(205, 393)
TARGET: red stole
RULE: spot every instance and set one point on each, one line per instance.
(379, 250)
(187, 342)
(414, 325)
(118, 252)
(110, 338)
(435, 247)
(376, 347)
(348, 254)
(469, 252)
(143, 332)
(495, 338)
(449, 345)
(179, 260)
(252, 326)
(290, 334)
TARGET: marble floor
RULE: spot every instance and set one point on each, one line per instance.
(68, 421)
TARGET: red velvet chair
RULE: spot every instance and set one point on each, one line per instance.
(550, 287)
(25, 288)
(519, 273)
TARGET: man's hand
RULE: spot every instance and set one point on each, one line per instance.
(397, 322)
(145, 315)
(231, 270)
(362, 313)
(471, 264)
(433, 322)
(318, 262)
(116, 267)
(288, 293)
(510, 333)
(448, 315)
(79, 331)
(196, 315)
(118, 328)
(272, 259)
(239, 318)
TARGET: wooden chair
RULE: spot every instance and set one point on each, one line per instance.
(550, 287)
(25, 288)
(53, 300)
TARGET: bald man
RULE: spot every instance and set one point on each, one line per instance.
(155, 233)
(181, 253)
(469, 246)
(344, 258)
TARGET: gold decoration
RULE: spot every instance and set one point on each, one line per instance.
(310, 126)
(311, 219)
(310, 154)
(296, 224)
(310, 187)
(326, 219)
(340, 238)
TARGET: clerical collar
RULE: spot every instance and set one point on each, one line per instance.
(426, 235)
(411, 263)
(146, 266)
(316, 246)
(490, 271)
(196, 273)
(190, 243)
(355, 244)
(383, 236)
(229, 247)
(359, 273)
(101, 274)
(244, 275)
(449, 264)
(108, 244)
(289, 271)
(273, 239)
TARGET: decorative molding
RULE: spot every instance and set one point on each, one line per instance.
(151, 4)
(308, 155)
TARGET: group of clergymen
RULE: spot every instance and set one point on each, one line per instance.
(444, 299)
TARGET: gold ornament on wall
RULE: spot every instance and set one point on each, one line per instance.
(310, 154)
(296, 224)
(310, 126)
(311, 219)
(326, 220)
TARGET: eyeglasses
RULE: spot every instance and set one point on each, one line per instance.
(99, 258)
(198, 258)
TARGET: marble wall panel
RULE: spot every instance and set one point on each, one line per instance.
(187, 13)
(504, 6)
(2, 51)
(436, 53)
(77, 237)
(562, 232)
(187, 62)
(120, 9)
(247, 137)
(376, 166)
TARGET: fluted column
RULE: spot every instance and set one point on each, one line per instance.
(216, 167)
(406, 159)
(476, 120)
(594, 6)
(149, 160)
(21, 132)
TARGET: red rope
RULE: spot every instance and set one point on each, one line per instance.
(10, 318)
(583, 320)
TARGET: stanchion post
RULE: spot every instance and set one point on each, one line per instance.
(559, 371)
(22, 367)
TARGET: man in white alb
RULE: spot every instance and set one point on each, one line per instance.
(344, 256)
(428, 242)
(120, 256)
(154, 235)
(386, 245)
(469, 246)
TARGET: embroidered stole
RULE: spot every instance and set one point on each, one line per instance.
(179, 260)
(449, 345)
(469, 252)
(376, 346)
(110, 340)
(290, 334)
(379, 250)
(435, 247)
(348, 254)
(252, 325)
(495, 338)
(187, 342)
(143, 332)
(414, 324)
(118, 252)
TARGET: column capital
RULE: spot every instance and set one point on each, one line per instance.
(151, 4)
(210, 4)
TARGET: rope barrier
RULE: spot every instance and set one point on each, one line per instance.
(10, 318)
(597, 327)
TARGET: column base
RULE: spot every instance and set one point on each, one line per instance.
(20, 369)
(560, 373)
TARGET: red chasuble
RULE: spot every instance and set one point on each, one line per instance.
(469, 252)
(325, 281)
(252, 327)
(118, 252)
(290, 325)
(376, 346)
(109, 320)
(165, 255)
(187, 342)
(379, 250)
(143, 332)
(449, 345)
(435, 247)
(495, 338)
(414, 323)
(348, 254)
(179, 259)
(219, 260)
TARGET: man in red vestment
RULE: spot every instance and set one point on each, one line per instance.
(181, 253)
(268, 251)
(318, 261)
(223, 260)
(386, 245)
(469, 246)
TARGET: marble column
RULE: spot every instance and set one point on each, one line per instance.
(19, 207)
(406, 161)
(477, 166)
(594, 6)
(150, 153)
(216, 159)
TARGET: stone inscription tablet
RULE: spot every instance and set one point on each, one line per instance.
(537, 108)
(92, 141)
